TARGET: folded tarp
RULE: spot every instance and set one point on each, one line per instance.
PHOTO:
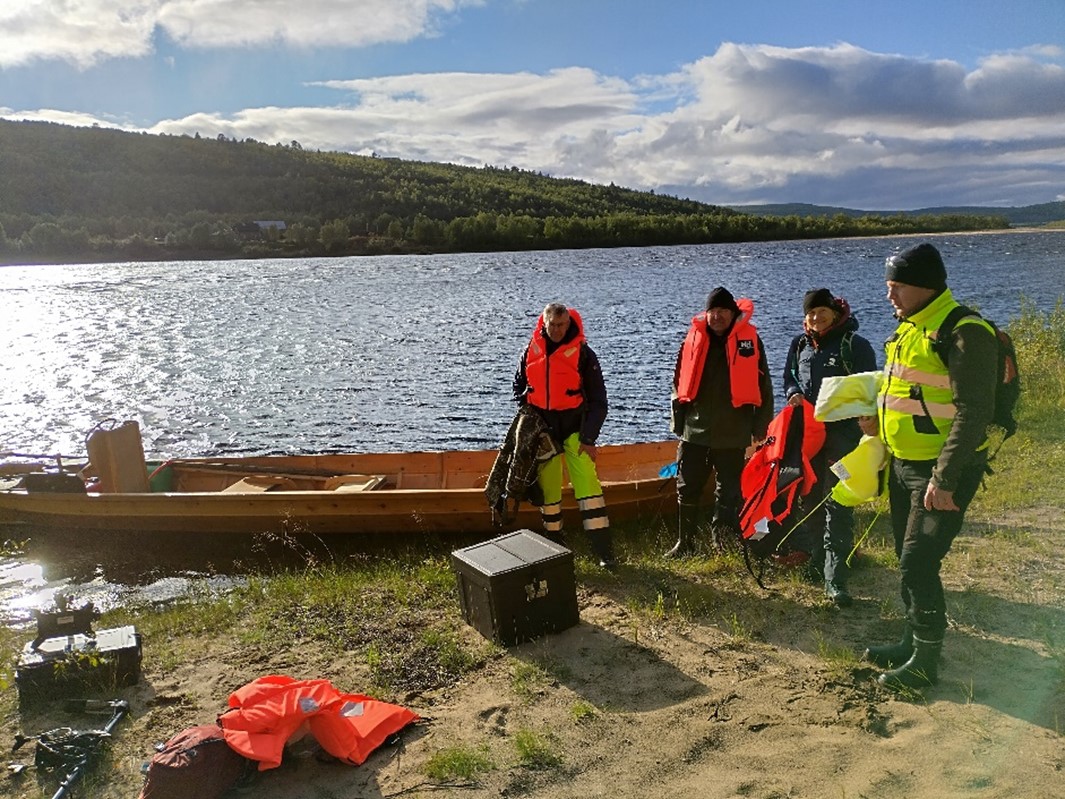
(848, 396)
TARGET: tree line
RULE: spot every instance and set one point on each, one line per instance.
(99, 194)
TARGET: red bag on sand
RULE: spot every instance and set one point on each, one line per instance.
(197, 763)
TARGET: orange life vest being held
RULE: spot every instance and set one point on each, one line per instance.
(742, 350)
(554, 380)
(781, 469)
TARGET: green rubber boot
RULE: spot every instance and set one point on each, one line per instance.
(888, 656)
(920, 671)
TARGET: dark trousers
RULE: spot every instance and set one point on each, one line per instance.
(923, 538)
(828, 532)
(695, 464)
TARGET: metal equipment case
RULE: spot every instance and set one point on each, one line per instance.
(108, 659)
(67, 655)
(516, 587)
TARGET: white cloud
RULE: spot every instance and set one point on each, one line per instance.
(746, 124)
(353, 23)
(87, 32)
(80, 31)
(837, 125)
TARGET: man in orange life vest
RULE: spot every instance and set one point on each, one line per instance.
(559, 376)
(722, 404)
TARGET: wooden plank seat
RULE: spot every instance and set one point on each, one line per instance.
(354, 482)
(258, 483)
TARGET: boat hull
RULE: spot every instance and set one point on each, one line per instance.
(219, 509)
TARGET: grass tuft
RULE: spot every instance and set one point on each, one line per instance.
(529, 680)
(537, 751)
(583, 712)
(459, 763)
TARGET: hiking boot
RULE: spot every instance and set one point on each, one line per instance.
(888, 656)
(839, 596)
(920, 671)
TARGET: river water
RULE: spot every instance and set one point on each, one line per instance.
(394, 353)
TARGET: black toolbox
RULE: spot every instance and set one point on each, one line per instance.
(68, 656)
(516, 587)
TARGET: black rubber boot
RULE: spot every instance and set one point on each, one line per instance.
(687, 516)
(920, 671)
(839, 596)
(602, 543)
(887, 656)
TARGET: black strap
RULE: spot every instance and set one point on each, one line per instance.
(946, 330)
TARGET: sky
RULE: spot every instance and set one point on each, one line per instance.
(871, 105)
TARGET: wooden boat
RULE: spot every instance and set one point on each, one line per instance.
(321, 494)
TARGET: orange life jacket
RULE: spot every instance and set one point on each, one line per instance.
(554, 381)
(742, 351)
(266, 712)
(780, 470)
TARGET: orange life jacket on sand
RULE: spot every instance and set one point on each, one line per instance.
(267, 712)
(554, 380)
(743, 357)
(780, 469)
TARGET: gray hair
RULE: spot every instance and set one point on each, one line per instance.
(554, 309)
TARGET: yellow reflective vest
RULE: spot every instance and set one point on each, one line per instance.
(916, 403)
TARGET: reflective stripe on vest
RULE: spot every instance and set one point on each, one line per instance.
(554, 380)
(917, 376)
(742, 353)
(916, 407)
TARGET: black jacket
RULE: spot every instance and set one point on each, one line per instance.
(812, 358)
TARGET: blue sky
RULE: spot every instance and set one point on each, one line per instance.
(860, 104)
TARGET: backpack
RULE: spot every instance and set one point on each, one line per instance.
(197, 763)
(1008, 385)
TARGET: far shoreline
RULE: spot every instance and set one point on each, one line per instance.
(202, 256)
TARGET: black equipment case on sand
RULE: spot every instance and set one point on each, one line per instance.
(516, 587)
(67, 655)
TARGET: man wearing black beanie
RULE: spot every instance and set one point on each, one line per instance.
(920, 266)
(934, 408)
(722, 403)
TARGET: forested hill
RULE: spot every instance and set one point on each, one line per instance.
(94, 193)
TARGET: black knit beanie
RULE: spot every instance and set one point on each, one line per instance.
(721, 297)
(920, 266)
(819, 298)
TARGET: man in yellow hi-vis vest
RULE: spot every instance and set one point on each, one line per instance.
(933, 416)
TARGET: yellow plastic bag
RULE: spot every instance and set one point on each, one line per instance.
(859, 472)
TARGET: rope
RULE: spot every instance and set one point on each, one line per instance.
(865, 535)
(827, 497)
